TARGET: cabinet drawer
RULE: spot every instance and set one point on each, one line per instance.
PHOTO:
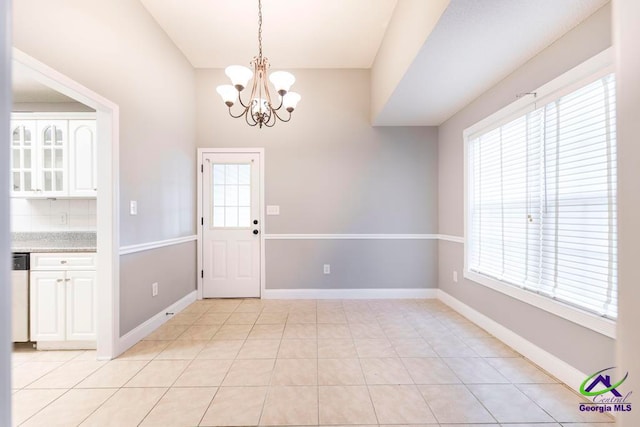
(63, 261)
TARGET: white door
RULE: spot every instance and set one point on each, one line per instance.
(47, 305)
(230, 225)
(81, 305)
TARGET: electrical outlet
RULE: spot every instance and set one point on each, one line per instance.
(133, 207)
(455, 276)
(62, 219)
(154, 289)
(327, 269)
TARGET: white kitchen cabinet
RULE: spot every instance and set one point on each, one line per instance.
(23, 157)
(81, 307)
(63, 300)
(53, 146)
(83, 177)
(47, 305)
(53, 155)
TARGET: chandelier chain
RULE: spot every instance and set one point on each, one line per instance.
(260, 29)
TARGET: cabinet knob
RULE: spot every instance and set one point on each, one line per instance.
(59, 280)
(63, 262)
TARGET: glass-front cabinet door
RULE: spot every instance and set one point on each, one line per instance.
(53, 157)
(23, 158)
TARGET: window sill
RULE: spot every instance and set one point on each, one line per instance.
(591, 321)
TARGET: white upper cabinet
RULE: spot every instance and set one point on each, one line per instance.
(23, 157)
(53, 155)
(83, 175)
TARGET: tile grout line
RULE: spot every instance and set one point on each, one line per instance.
(227, 373)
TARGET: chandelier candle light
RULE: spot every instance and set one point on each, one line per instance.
(260, 110)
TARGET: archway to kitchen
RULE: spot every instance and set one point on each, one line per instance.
(107, 224)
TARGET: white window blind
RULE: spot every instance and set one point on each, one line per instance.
(542, 200)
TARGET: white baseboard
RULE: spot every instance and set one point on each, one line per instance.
(349, 293)
(66, 345)
(547, 361)
(134, 336)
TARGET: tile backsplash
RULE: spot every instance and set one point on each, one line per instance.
(53, 215)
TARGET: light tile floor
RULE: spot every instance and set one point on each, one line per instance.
(325, 362)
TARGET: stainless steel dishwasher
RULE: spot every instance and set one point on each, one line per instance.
(20, 298)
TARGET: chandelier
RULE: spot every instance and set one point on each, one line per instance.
(260, 109)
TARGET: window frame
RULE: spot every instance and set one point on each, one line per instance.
(590, 70)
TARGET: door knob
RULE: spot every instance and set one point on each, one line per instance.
(255, 221)
(255, 231)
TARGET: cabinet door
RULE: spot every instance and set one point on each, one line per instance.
(47, 306)
(53, 156)
(81, 305)
(23, 158)
(82, 158)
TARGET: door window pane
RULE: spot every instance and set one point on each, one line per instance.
(231, 195)
(218, 195)
(232, 175)
(218, 174)
(244, 195)
(47, 159)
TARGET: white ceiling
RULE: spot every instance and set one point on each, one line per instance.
(296, 33)
(475, 45)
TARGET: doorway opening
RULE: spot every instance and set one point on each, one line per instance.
(106, 192)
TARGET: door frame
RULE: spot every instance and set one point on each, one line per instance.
(108, 224)
(200, 170)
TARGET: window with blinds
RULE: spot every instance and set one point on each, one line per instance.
(542, 200)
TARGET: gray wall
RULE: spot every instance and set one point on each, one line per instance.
(584, 349)
(331, 172)
(136, 304)
(355, 264)
(627, 34)
(116, 49)
(5, 290)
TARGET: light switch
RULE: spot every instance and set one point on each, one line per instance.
(133, 207)
(273, 210)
